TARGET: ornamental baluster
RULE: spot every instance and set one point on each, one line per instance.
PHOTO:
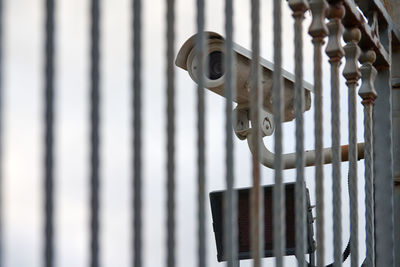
(319, 31)
(352, 74)
(368, 94)
(335, 52)
(299, 7)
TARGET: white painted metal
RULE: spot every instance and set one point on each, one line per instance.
(187, 60)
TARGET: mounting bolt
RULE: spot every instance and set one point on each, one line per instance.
(266, 124)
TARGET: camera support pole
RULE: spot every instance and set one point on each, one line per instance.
(242, 130)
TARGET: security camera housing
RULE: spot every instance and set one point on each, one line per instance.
(214, 78)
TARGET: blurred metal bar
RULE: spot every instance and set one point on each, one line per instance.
(200, 47)
(94, 133)
(230, 203)
(368, 94)
(298, 8)
(170, 76)
(49, 134)
(319, 31)
(335, 52)
(352, 74)
(256, 202)
(279, 194)
(1, 136)
(392, 7)
(396, 140)
(369, 192)
(137, 132)
(383, 164)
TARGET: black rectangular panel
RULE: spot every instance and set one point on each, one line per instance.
(244, 221)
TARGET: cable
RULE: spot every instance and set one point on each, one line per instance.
(347, 251)
(345, 255)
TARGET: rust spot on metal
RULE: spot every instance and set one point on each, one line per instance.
(345, 152)
(360, 150)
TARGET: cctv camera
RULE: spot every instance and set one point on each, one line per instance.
(214, 78)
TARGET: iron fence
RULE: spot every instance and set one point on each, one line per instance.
(259, 97)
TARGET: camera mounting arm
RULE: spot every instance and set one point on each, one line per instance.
(243, 131)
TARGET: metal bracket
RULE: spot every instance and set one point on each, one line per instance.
(267, 123)
(241, 123)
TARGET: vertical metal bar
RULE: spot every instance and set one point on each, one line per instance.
(319, 31)
(137, 132)
(396, 165)
(170, 76)
(337, 188)
(369, 192)
(255, 105)
(368, 94)
(1, 135)
(230, 204)
(299, 7)
(383, 165)
(396, 146)
(352, 36)
(94, 133)
(279, 194)
(397, 219)
(201, 176)
(49, 134)
(383, 171)
(335, 52)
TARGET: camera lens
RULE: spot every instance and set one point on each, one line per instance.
(215, 68)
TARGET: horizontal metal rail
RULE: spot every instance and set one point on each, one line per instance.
(369, 37)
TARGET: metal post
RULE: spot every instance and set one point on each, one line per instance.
(318, 31)
(279, 193)
(351, 72)
(137, 132)
(230, 204)
(49, 92)
(1, 135)
(368, 93)
(201, 142)
(335, 52)
(170, 76)
(396, 148)
(383, 166)
(95, 135)
(298, 8)
(392, 7)
(256, 210)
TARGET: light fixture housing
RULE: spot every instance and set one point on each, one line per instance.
(244, 222)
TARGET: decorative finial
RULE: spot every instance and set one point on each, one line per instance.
(334, 48)
(352, 52)
(318, 29)
(368, 73)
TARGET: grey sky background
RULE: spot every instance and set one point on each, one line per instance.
(23, 72)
